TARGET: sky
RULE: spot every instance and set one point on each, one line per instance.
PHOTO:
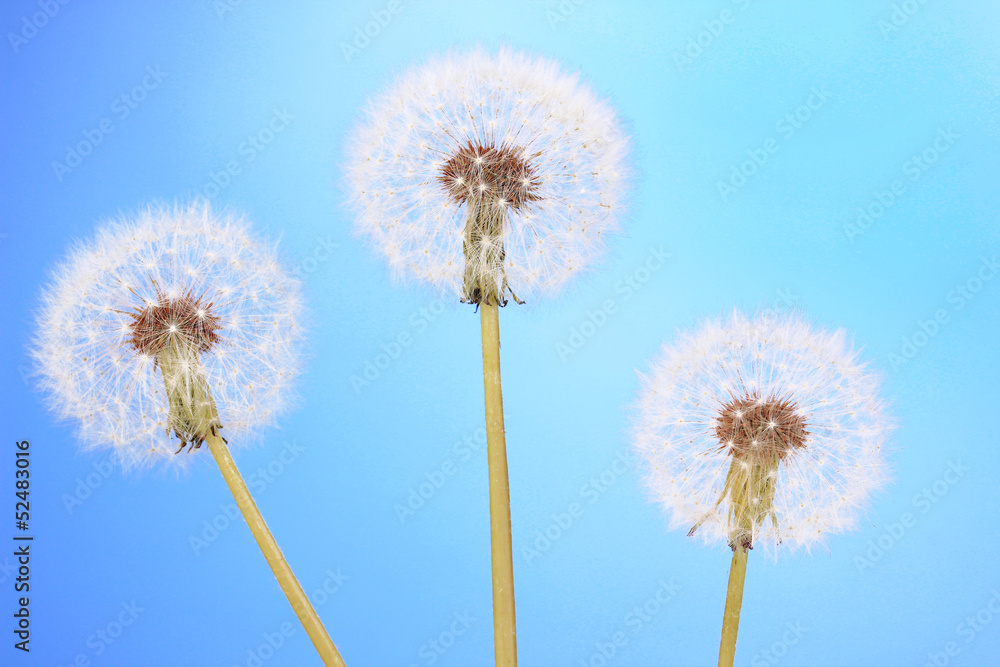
(838, 160)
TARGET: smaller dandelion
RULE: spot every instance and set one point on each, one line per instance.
(760, 431)
(166, 329)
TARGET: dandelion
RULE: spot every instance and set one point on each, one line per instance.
(166, 330)
(761, 431)
(494, 177)
(488, 175)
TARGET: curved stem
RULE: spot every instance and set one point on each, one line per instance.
(282, 572)
(734, 601)
(504, 626)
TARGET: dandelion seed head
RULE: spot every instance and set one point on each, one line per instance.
(174, 311)
(752, 427)
(504, 142)
(760, 431)
(500, 171)
(185, 317)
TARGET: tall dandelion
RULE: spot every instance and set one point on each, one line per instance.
(760, 432)
(166, 331)
(494, 177)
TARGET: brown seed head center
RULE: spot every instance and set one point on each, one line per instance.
(760, 429)
(477, 173)
(184, 319)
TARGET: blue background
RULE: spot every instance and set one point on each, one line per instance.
(697, 89)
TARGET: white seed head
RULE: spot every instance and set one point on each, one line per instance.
(504, 131)
(790, 404)
(164, 325)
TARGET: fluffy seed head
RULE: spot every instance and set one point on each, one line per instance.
(477, 173)
(761, 431)
(182, 320)
(165, 326)
(752, 427)
(488, 174)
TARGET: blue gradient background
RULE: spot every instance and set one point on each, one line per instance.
(779, 240)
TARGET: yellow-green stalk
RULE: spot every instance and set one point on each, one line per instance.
(176, 331)
(504, 625)
(275, 559)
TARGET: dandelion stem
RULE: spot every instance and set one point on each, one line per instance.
(504, 627)
(282, 572)
(734, 601)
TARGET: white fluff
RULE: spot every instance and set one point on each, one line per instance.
(572, 138)
(821, 488)
(95, 376)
